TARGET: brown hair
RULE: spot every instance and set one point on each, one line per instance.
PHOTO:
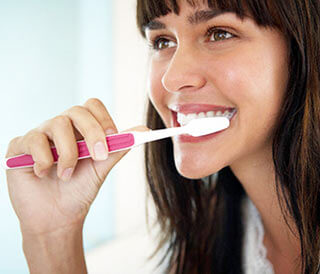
(201, 222)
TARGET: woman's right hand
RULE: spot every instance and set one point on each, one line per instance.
(50, 197)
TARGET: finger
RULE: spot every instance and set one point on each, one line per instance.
(62, 133)
(100, 112)
(103, 168)
(14, 147)
(137, 128)
(37, 145)
(91, 130)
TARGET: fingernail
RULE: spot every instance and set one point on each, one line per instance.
(66, 175)
(100, 151)
(110, 131)
(43, 173)
(37, 169)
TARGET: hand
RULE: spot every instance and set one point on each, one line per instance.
(49, 197)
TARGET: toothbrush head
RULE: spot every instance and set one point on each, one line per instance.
(203, 126)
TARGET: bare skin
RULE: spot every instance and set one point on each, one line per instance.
(236, 64)
(246, 70)
(283, 249)
(52, 205)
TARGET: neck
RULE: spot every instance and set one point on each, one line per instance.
(258, 179)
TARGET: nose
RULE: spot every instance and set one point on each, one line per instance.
(184, 71)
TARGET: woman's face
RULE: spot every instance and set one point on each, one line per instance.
(207, 62)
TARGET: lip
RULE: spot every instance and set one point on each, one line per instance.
(197, 108)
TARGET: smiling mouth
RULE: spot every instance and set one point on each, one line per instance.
(183, 114)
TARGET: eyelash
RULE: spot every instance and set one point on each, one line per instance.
(210, 30)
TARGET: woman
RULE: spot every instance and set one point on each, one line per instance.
(255, 59)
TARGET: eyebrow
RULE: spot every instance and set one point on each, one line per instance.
(198, 17)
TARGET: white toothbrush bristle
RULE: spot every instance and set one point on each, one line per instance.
(204, 126)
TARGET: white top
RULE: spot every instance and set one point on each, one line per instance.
(255, 254)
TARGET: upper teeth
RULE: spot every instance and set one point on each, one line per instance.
(185, 119)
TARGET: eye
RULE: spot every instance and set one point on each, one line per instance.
(162, 43)
(216, 35)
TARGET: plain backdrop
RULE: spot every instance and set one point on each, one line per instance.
(55, 54)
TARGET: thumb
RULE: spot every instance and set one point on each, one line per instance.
(103, 167)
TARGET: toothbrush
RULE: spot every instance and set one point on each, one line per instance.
(127, 140)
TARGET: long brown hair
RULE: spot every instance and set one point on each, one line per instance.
(201, 221)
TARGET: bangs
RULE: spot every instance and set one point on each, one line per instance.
(260, 11)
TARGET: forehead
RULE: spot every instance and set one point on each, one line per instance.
(193, 13)
(149, 10)
(200, 10)
(193, 18)
(157, 8)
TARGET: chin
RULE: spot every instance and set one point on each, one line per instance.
(195, 170)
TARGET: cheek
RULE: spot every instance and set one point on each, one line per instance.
(243, 81)
(255, 83)
(156, 92)
(154, 85)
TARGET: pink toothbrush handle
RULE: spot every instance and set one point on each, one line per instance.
(115, 142)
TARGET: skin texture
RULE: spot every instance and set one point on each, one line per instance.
(247, 72)
(245, 68)
(52, 207)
